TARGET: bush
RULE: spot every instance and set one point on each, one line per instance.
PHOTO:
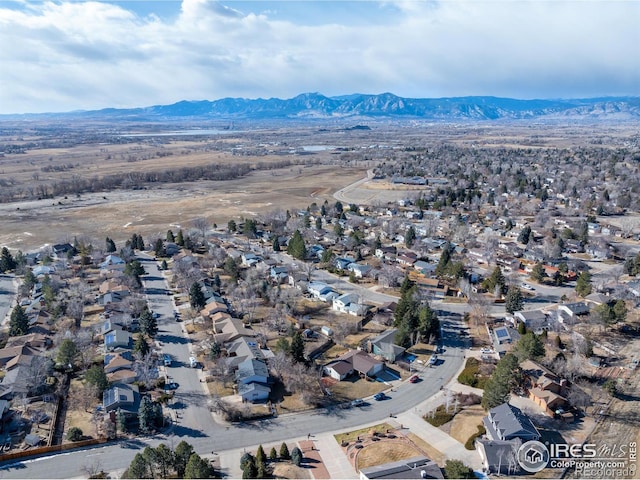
(74, 434)
(469, 376)
(273, 454)
(284, 452)
(439, 416)
(296, 456)
(470, 443)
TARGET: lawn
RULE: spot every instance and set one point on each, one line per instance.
(431, 452)
(465, 423)
(385, 451)
(287, 470)
(354, 387)
(352, 436)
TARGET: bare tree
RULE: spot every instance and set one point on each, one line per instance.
(145, 368)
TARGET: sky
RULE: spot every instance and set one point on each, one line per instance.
(66, 55)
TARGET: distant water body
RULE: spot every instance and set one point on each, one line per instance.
(180, 133)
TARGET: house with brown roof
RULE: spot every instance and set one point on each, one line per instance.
(230, 329)
(545, 388)
(354, 361)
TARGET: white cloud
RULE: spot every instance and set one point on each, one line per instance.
(71, 55)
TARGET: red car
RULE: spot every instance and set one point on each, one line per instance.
(414, 379)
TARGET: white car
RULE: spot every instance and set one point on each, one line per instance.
(526, 286)
(486, 350)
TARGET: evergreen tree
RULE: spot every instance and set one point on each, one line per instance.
(7, 262)
(445, 258)
(231, 226)
(163, 265)
(428, 323)
(529, 347)
(513, 301)
(95, 375)
(261, 457)
(498, 388)
(457, 469)
(148, 324)
(110, 245)
(276, 244)
(296, 456)
(284, 452)
(525, 235)
(138, 468)
(67, 352)
(196, 297)
(197, 467)
(180, 238)
(181, 457)
(297, 347)
(170, 237)
(18, 322)
(164, 460)
(146, 415)
(250, 470)
(522, 328)
(273, 454)
(232, 269)
(318, 223)
(29, 279)
(141, 346)
(538, 273)
(140, 243)
(296, 247)
(158, 248)
(410, 237)
(496, 281)
(583, 284)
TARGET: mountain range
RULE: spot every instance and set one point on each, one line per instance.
(317, 106)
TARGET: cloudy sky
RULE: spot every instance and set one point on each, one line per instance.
(66, 55)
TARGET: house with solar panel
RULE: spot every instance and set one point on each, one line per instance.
(121, 397)
(504, 338)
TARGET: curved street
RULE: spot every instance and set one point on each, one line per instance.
(194, 423)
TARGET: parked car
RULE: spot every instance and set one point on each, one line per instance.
(379, 396)
(358, 402)
(526, 286)
(166, 360)
(433, 360)
(486, 350)
(193, 363)
(170, 386)
(414, 379)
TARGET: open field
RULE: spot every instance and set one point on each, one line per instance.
(119, 214)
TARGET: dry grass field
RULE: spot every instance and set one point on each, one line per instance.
(385, 451)
(466, 422)
(119, 214)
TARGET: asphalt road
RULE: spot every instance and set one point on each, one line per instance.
(7, 296)
(195, 424)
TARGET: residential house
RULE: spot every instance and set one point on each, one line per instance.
(354, 361)
(252, 377)
(503, 337)
(119, 367)
(570, 312)
(348, 303)
(384, 345)
(506, 422)
(499, 456)
(321, 291)
(230, 329)
(60, 250)
(117, 339)
(250, 259)
(410, 468)
(42, 270)
(360, 271)
(212, 306)
(534, 320)
(123, 397)
(432, 287)
(342, 263)
(545, 388)
(112, 263)
(243, 348)
(278, 274)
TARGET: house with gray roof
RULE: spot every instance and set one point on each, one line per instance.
(506, 422)
(117, 339)
(384, 345)
(123, 397)
(252, 377)
(409, 468)
(499, 456)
